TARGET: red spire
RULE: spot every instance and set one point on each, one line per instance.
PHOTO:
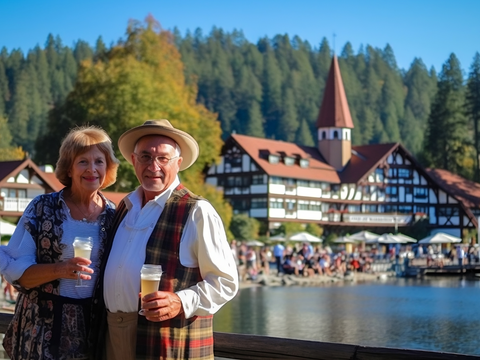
(334, 111)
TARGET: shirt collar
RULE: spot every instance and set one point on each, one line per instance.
(135, 198)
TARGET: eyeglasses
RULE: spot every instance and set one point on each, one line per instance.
(148, 159)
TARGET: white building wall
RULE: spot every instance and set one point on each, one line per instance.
(308, 191)
(277, 213)
(276, 189)
(309, 215)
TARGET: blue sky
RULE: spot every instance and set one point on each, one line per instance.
(428, 29)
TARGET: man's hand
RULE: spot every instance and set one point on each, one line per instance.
(161, 306)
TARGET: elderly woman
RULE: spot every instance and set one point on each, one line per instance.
(52, 314)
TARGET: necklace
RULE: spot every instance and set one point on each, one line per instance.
(86, 216)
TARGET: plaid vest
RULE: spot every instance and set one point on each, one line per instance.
(177, 338)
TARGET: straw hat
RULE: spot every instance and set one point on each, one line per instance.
(188, 145)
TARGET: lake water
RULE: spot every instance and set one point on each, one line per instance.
(440, 314)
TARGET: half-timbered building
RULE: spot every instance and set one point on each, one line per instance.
(337, 184)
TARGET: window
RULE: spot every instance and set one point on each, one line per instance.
(408, 190)
(403, 209)
(314, 206)
(354, 208)
(289, 161)
(421, 209)
(304, 163)
(259, 203)
(392, 190)
(273, 159)
(303, 205)
(421, 193)
(324, 135)
(258, 179)
(290, 204)
(276, 180)
(240, 204)
(448, 211)
(370, 208)
(404, 173)
(276, 203)
(325, 186)
(379, 175)
(335, 134)
(390, 208)
(303, 183)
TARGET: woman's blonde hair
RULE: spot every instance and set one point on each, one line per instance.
(78, 141)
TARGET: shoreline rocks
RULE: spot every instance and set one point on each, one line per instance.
(317, 280)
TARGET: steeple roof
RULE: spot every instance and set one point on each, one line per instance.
(334, 111)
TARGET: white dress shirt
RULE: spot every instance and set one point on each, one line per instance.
(203, 244)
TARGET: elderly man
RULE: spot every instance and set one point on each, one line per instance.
(163, 223)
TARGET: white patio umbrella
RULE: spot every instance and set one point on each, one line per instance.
(364, 236)
(440, 238)
(279, 237)
(388, 239)
(254, 243)
(304, 236)
(405, 238)
(6, 228)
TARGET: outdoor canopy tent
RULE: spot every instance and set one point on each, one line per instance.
(440, 238)
(304, 236)
(6, 228)
(254, 243)
(364, 236)
(391, 239)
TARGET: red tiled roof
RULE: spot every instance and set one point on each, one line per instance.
(53, 180)
(365, 159)
(317, 169)
(334, 111)
(466, 191)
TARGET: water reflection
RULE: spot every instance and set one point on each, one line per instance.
(438, 314)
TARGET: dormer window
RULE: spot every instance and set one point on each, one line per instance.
(304, 163)
(273, 159)
(324, 135)
(289, 161)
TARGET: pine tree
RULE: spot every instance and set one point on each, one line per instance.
(446, 141)
(4, 92)
(288, 123)
(473, 107)
(272, 93)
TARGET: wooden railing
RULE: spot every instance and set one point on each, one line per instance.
(254, 347)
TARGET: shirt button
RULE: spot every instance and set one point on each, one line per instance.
(103, 229)
(119, 319)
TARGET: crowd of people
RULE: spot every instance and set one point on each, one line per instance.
(302, 259)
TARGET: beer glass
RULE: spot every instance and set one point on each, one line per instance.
(150, 276)
(82, 247)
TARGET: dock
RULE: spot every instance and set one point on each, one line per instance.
(420, 270)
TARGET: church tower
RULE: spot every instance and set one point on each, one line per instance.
(334, 122)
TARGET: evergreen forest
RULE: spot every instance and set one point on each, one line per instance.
(272, 88)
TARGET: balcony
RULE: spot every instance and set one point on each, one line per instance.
(14, 204)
